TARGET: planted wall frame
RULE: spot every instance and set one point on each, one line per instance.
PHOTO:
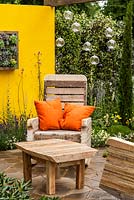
(8, 50)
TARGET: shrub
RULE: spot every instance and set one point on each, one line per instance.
(121, 131)
(12, 129)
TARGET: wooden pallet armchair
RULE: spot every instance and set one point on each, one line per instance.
(118, 174)
(70, 89)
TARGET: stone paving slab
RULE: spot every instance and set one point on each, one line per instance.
(11, 164)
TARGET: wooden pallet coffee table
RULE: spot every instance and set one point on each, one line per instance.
(56, 153)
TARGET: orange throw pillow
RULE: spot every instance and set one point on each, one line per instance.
(73, 115)
(49, 114)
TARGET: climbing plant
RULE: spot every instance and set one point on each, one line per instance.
(73, 58)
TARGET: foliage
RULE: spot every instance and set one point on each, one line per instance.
(14, 189)
(11, 188)
(71, 58)
(126, 85)
(109, 125)
(12, 128)
(8, 49)
(115, 129)
(117, 9)
(88, 8)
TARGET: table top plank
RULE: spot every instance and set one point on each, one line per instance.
(57, 150)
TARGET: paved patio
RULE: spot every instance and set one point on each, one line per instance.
(11, 164)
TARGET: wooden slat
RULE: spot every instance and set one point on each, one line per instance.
(121, 153)
(65, 77)
(52, 90)
(64, 84)
(117, 183)
(66, 98)
(121, 144)
(119, 161)
(120, 171)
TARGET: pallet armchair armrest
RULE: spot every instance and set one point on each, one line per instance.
(86, 131)
(32, 126)
(86, 122)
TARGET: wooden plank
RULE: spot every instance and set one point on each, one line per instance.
(121, 153)
(118, 161)
(64, 84)
(64, 2)
(52, 151)
(80, 169)
(50, 171)
(121, 144)
(66, 98)
(62, 91)
(23, 145)
(113, 181)
(65, 77)
(120, 171)
(27, 169)
(69, 163)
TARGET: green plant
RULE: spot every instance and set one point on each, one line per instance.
(12, 128)
(120, 131)
(8, 49)
(13, 189)
(40, 89)
(106, 125)
(99, 137)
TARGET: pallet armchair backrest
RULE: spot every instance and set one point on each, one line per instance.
(70, 88)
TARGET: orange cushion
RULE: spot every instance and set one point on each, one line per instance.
(49, 114)
(73, 115)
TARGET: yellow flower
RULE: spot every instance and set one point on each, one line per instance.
(127, 122)
(115, 121)
(118, 117)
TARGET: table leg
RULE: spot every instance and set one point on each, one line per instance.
(50, 170)
(80, 169)
(27, 169)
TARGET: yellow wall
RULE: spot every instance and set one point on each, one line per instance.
(35, 26)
